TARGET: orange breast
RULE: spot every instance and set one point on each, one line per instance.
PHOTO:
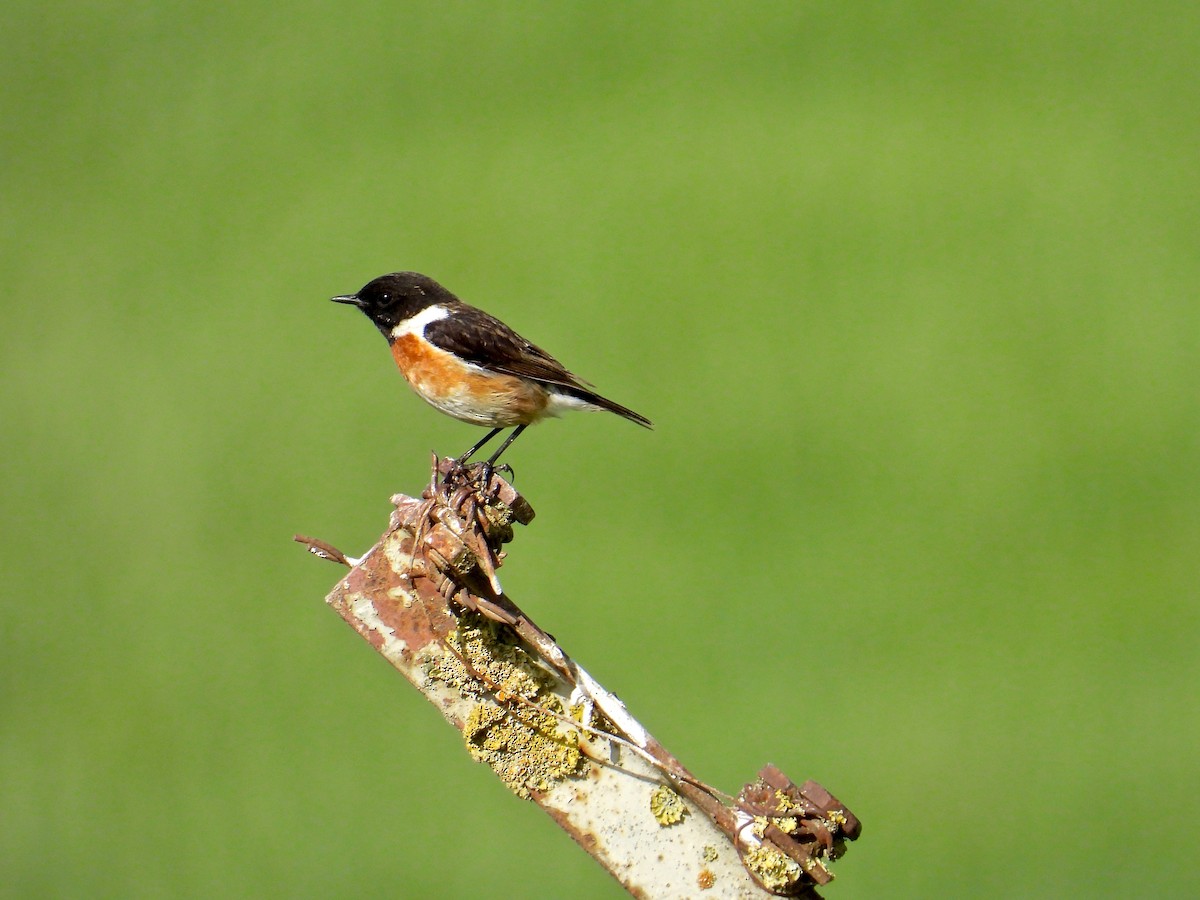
(467, 392)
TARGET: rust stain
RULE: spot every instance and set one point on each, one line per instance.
(418, 624)
(583, 837)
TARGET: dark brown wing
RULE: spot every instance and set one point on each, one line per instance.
(474, 336)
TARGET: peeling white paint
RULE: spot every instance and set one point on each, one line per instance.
(365, 612)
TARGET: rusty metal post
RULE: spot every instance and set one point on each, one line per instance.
(427, 597)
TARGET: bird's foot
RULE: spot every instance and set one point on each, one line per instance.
(457, 472)
(481, 475)
(477, 474)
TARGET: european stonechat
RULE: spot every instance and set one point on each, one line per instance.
(470, 365)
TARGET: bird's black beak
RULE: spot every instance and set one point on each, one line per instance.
(352, 299)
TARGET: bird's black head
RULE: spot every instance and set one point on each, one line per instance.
(391, 299)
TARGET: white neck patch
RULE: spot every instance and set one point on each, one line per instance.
(416, 324)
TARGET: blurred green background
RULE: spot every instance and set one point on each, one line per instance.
(910, 291)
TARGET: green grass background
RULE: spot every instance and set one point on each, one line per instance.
(910, 291)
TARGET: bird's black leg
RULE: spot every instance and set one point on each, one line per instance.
(490, 465)
(512, 437)
(460, 464)
(487, 437)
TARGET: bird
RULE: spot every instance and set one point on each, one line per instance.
(470, 365)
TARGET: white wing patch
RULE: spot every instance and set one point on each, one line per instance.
(416, 324)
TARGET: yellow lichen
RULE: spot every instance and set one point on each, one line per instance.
(710, 853)
(776, 871)
(788, 824)
(526, 746)
(666, 806)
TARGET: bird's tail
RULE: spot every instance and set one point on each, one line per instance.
(594, 399)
